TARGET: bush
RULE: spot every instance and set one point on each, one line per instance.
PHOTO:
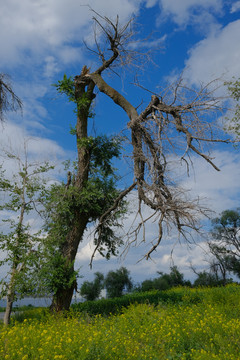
(115, 305)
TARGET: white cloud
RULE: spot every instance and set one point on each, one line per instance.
(13, 137)
(190, 11)
(219, 189)
(235, 7)
(215, 56)
(48, 28)
(44, 38)
(151, 3)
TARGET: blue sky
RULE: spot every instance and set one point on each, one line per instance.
(42, 39)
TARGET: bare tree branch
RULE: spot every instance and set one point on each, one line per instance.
(9, 101)
(181, 126)
(105, 216)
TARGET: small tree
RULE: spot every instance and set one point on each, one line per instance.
(175, 278)
(205, 278)
(23, 193)
(165, 281)
(225, 243)
(117, 281)
(91, 290)
(159, 283)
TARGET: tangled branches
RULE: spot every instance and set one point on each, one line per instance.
(164, 134)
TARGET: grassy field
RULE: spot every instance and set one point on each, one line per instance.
(205, 324)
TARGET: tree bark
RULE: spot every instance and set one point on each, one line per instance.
(83, 90)
(10, 300)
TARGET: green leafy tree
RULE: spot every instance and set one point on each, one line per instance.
(154, 284)
(205, 278)
(92, 290)
(165, 281)
(175, 278)
(225, 244)
(117, 281)
(22, 193)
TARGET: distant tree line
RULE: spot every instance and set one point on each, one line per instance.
(223, 246)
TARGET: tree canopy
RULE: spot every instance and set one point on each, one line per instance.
(225, 243)
(117, 281)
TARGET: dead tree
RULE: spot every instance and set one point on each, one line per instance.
(166, 130)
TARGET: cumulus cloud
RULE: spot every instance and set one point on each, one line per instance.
(215, 56)
(48, 28)
(219, 189)
(235, 7)
(189, 11)
(14, 139)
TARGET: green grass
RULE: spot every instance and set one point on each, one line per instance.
(19, 308)
(202, 324)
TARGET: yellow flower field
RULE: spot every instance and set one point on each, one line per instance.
(209, 329)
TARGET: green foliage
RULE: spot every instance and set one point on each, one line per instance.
(154, 284)
(62, 203)
(165, 281)
(66, 86)
(175, 278)
(117, 281)
(91, 290)
(205, 278)
(96, 196)
(23, 194)
(55, 273)
(181, 296)
(102, 150)
(116, 305)
(31, 314)
(226, 240)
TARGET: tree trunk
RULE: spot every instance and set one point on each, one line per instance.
(8, 310)
(63, 296)
(62, 299)
(10, 299)
(83, 90)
